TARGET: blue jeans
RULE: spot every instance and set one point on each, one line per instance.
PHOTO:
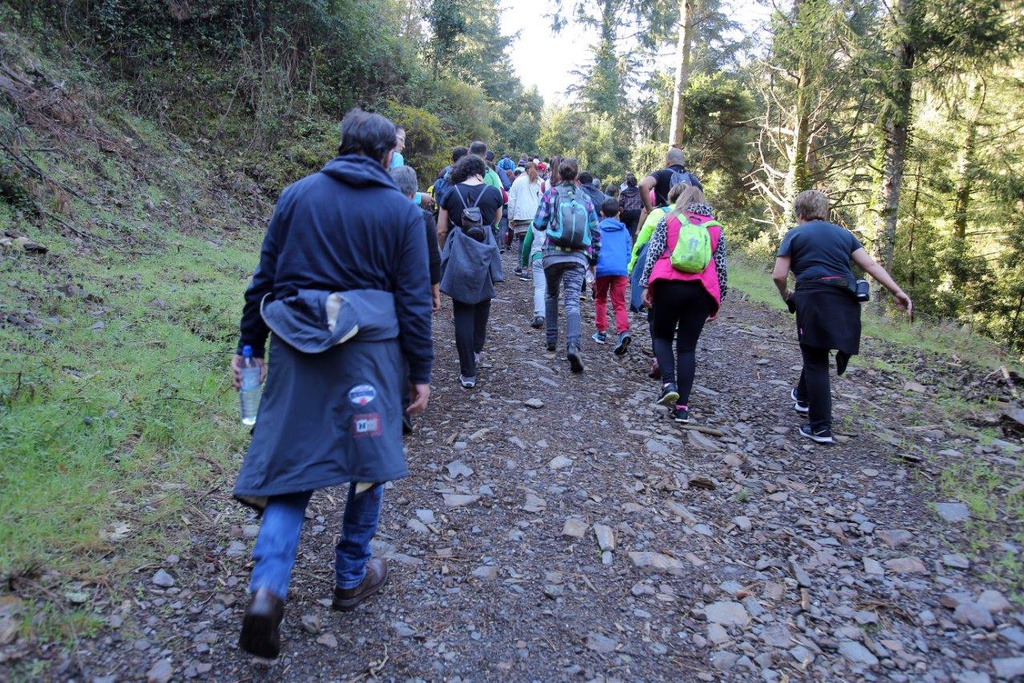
(572, 274)
(278, 542)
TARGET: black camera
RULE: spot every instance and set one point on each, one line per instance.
(862, 291)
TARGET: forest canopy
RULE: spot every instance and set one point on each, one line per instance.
(905, 113)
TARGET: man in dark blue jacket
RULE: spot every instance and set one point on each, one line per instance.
(343, 290)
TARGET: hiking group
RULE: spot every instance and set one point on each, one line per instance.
(351, 270)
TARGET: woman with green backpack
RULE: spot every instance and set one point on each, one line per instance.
(685, 279)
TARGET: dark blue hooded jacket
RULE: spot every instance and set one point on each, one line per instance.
(344, 228)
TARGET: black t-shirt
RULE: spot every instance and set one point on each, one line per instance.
(819, 249)
(489, 203)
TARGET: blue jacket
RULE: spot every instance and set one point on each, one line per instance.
(345, 228)
(615, 248)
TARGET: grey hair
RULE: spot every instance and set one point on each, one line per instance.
(675, 156)
(405, 178)
(811, 205)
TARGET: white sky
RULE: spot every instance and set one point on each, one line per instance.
(532, 53)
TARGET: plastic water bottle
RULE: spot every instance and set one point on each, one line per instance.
(249, 393)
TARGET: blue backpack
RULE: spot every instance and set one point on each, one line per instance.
(442, 185)
(568, 227)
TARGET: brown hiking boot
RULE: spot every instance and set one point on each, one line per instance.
(347, 599)
(261, 625)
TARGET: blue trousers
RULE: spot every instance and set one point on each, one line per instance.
(572, 274)
(278, 542)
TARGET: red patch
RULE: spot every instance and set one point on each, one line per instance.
(367, 425)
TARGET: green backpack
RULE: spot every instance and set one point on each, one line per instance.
(692, 252)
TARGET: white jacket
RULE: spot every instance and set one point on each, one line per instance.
(524, 198)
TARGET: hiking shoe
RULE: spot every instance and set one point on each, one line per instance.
(261, 625)
(347, 599)
(681, 414)
(406, 423)
(600, 337)
(575, 362)
(523, 275)
(823, 435)
(538, 322)
(551, 347)
(467, 382)
(655, 371)
(624, 339)
(798, 405)
(669, 395)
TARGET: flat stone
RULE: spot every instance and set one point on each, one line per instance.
(1014, 635)
(658, 561)
(906, 565)
(458, 500)
(727, 613)
(777, 635)
(1009, 668)
(723, 660)
(487, 572)
(857, 653)
(426, 516)
(560, 462)
(601, 643)
(803, 579)
(973, 614)
(742, 523)
(605, 537)
(894, 538)
(163, 579)
(956, 561)
(717, 634)
(954, 599)
(873, 567)
(328, 640)
(574, 528)
(403, 630)
(458, 469)
(533, 403)
(953, 512)
(534, 503)
(655, 447)
(161, 672)
(311, 623)
(417, 526)
(802, 655)
(994, 602)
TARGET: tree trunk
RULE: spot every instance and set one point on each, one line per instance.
(798, 177)
(675, 137)
(966, 164)
(895, 132)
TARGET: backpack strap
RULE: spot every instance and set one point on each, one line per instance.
(456, 188)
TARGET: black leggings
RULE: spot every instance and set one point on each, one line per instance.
(815, 386)
(470, 332)
(681, 307)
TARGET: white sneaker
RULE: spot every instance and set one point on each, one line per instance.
(467, 382)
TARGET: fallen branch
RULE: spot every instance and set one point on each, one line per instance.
(1009, 382)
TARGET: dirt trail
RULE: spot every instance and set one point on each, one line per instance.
(769, 557)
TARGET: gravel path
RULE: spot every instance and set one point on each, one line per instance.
(592, 538)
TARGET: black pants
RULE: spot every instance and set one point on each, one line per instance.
(681, 307)
(814, 387)
(470, 332)
(630, 218)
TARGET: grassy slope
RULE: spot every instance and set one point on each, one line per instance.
(114, 399)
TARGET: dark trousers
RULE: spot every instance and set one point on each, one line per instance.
(630, 218)
(681, 307)
(470, 332)
(814, 387)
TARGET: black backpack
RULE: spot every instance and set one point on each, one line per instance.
(472, 216)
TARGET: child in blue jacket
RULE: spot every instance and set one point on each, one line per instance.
(612, 269)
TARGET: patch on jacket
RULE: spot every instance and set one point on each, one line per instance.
(362, 394)
(366, 425)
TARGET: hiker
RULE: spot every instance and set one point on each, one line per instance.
(630, 205)
(612, 266)
(825, 303)
(572, 243)
(639, 257)
(660, 182)
(444, 180)
(343, 282)
(523, 200)
(397, 160)
(470, 261)
(684, 299)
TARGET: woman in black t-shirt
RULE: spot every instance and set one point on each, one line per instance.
(471, 267)
(827, 312)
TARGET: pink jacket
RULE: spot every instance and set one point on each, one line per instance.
(663, 269)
